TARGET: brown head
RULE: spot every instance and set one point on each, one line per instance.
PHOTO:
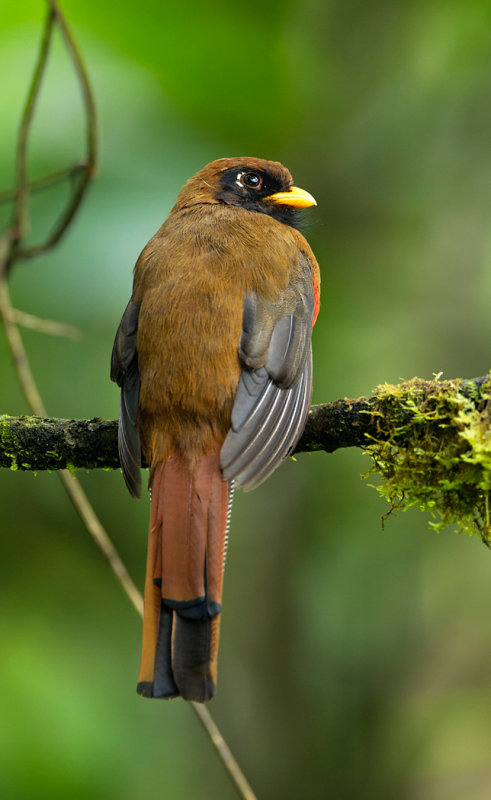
(252, 183)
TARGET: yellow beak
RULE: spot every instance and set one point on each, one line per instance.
(298, 198)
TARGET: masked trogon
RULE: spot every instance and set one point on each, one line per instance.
(213, 357)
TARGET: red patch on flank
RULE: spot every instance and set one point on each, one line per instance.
(317, 297)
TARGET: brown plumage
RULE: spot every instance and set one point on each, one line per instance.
(213, 357)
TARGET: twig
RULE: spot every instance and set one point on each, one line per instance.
(40, 184)
(19, 219)
(87, 94)
(83, 175)
(89, 518)
(17, 349)
(224, 752)
(48, 326)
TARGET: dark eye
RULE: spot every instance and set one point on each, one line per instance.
(250, 179)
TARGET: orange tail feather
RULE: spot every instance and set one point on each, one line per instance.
(183, 588)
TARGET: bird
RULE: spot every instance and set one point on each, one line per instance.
(213, 357)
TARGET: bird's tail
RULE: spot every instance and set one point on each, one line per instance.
(183, 589)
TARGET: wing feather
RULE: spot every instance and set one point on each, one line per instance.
(295, 424)
(124, 371)
(274, 391)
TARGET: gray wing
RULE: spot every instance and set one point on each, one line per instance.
(124, 371)
(275, 386)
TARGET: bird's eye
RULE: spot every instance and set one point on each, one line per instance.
(249, 179)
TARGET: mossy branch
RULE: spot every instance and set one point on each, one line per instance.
(393, 414)
(430, 443)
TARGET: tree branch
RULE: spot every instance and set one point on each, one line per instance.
(46, 443)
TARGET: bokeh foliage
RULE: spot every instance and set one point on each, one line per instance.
(354, 662)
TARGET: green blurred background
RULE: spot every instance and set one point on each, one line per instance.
(354, 661)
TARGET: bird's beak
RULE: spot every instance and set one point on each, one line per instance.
(298, 198)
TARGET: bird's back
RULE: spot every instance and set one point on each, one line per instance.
(191, 291)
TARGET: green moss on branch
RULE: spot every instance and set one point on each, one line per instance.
(432, 450)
